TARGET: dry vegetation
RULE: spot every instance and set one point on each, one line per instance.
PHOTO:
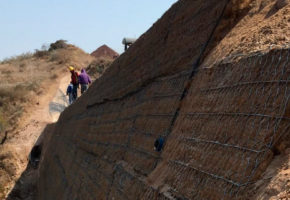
(24, 77)
(24, 81)
(96, 68)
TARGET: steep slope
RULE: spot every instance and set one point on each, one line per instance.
(223, 114)
(98, 67)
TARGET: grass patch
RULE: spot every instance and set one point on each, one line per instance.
(41, 53)
(98, 67)
(23, 77)
(2, 191)
(60, 56)
(17, 93)
(33, 86)
(3, 122)
(18, 58)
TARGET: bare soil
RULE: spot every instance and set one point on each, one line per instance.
(16, 149)
(32, 96)
(261, 25)
(275, 182)
(25, 187)
(105, 52)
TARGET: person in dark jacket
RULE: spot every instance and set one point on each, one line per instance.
(69, 93)
(158, 144)
(84, 80)
(75, 82)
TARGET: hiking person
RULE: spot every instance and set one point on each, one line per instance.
(84, 80)
(69, 93)
(158, 144)
(74, 82)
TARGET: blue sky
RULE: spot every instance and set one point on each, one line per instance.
(27, 25)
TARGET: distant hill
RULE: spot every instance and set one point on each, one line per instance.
(105, 52)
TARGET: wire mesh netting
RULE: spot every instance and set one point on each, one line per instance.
(228, 123)
(231, 120)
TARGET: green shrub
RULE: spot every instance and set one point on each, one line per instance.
(59, 44)
(41, 53)
(59, 56)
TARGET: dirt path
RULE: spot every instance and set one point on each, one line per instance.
(60, 100)
(15, 151)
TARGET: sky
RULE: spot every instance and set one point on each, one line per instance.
(26, 25)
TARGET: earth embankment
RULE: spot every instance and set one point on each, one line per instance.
(223, 112)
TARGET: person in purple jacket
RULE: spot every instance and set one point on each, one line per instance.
(84, 80)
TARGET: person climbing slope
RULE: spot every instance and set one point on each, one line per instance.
(69, 93)
(84, 80)
(74, 82)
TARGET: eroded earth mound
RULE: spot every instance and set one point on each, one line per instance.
(105, 52)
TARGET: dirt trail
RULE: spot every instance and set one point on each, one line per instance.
(19, 145)
(60, 101)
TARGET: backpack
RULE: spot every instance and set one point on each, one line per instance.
(69, 89)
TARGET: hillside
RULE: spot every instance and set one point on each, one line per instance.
(209, 77)
(26, 76)
(104, 57)
(105, 52)
(27, 86)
